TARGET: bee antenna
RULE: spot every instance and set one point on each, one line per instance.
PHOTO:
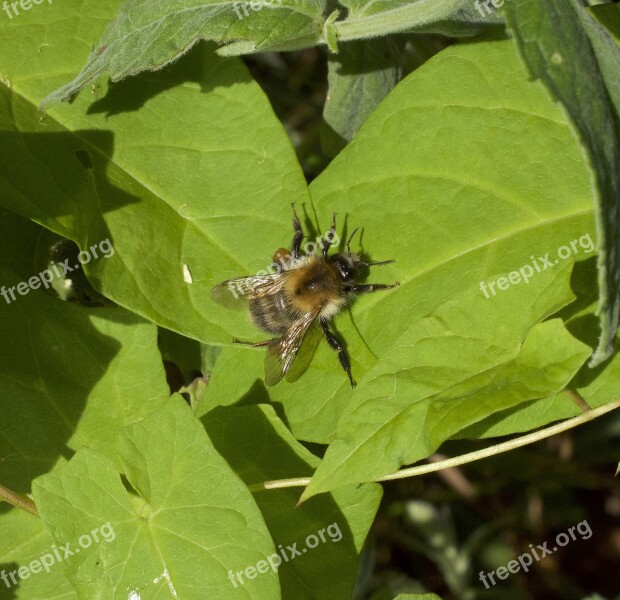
(350, 238)
(376, 264)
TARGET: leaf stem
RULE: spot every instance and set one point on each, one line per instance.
(578, 400)
(456, 461)
(422, 15)
(18, 500)
(368, 27)
(524, 440)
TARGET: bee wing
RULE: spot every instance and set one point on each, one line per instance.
(234, 293)
(281, 352)
(306, 353)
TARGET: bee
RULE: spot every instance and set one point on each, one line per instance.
(310, 288)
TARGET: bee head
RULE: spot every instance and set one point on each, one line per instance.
(347, 265)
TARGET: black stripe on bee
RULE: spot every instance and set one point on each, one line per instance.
(272, 313)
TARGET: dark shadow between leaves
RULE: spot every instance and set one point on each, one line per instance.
(55, 358)
(131, 94)
(259, 394)
(267, 455)
(49, 176)
(7, 586)
(62, 174)
(584, 283)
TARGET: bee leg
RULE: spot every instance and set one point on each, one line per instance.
(335, 343)
(330, 236)
(299, 234)
(253, 344)
(370, 287)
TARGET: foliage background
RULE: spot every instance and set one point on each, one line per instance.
(195, 166)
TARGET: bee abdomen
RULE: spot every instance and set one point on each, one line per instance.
(272, 314)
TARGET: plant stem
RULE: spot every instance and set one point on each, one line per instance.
(407, 17)
(524, 440)
(578, 400)
(18, 500)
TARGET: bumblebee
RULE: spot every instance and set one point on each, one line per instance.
(309, 288)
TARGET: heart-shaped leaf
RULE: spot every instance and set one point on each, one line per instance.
(191, 522)
(324, 535)
(467, 172)
(160, 190)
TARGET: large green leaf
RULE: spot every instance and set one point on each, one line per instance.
(359, 77)
(596, 386)
(147, 34)
(609, 16)
(191, 171)
(259, 447)
(67, 373)
(446, 373)
(24, 542)
(67, 379)
(463, 173)
(579, 61)
(192, 521)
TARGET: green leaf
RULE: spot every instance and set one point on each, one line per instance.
(191, 172)
(447, 373)
(523, 417)
(579, 61)
(368, 18)
(24, 541)
(609, 16)
(25, 247)
(464, 172)
(596, 386)
(67, 373)
(259, 447)
(192, 520)
(147, 35)
(67, 379)
(359, 77)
